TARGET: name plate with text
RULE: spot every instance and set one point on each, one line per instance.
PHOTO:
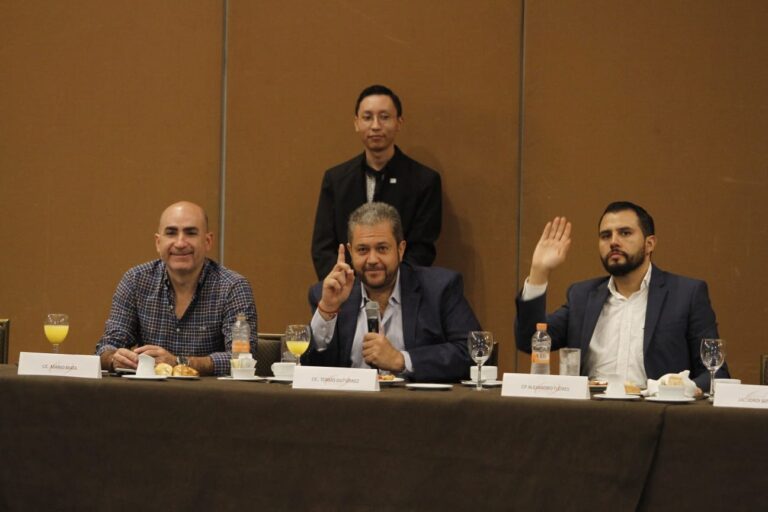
(335, 379)
(545, 386)
(60, 365)
(741, 395)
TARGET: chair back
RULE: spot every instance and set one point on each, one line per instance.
(5, 327)
(268, 348)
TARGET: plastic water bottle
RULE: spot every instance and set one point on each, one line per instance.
(541, 343)
(241, 336)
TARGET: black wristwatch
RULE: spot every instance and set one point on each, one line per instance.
(182, 360)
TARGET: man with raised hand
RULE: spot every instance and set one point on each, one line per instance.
(425, 318)
(639, 322)
(180, 308)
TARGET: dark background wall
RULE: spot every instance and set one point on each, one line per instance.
(111, 111)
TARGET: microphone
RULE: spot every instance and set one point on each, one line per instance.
(372, 315)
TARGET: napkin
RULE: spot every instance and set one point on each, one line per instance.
(652, 389)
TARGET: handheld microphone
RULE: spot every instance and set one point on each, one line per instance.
(372, 315)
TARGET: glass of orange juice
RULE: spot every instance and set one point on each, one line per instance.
(297, 340)
(56, 328)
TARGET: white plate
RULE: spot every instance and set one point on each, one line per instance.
(249, 379)
(184, 377)
(148, 377)
(683, 400)
(486, 383)
(396, 380)
(429, 386)
(603, 396)
(280, 379)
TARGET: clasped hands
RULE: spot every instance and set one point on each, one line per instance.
(377, 349)
(129, 358)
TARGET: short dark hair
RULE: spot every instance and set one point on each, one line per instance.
(374, 213)
(644, 218)
(375, 90)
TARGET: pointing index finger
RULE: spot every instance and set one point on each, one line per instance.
(342, 257)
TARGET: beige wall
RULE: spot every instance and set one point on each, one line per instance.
(112, 110)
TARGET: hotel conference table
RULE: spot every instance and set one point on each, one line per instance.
(208, 444)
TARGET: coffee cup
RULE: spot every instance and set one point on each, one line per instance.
(488, 373)
(283, 370)
(671, 392)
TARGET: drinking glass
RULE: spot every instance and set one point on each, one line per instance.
(56, 327)
(297, 340)
(713, 357)
(480, 345)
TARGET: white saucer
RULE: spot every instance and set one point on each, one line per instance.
(603, 396)
(148, 377)
(184, 377)
(429, 386)
(485, 383)
(684, 400)
(280, 379)
(249, 379)
(396, 380)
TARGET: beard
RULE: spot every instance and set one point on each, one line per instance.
(631, 262)
(387, 282)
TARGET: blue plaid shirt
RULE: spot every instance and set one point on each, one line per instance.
(144, 313)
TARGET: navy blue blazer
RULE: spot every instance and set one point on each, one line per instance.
(436, 321)
(678, 316)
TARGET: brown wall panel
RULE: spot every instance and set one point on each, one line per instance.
(110, 111)
(661, 103)
(294, 74)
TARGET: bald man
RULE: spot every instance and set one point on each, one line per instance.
(179, 308)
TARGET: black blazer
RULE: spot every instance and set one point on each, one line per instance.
(413, 189)
(436, 321)
(678, 316)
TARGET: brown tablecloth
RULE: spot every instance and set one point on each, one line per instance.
(115, 444)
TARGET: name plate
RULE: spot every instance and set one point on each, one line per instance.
(335, 379)
(60, 365)
(545, 386)
(741, 395)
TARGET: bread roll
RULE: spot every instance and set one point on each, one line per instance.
(163, 369)
(184, 371)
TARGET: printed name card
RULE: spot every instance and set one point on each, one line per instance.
(335, 379)
(741, 395)
(545, 386)
(60, 365)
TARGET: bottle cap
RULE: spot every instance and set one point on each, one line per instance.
(541, 327)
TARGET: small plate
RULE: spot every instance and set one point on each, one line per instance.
(125, 370)
(396, 380)
(485, 383)
(684, 400)
(249, 379)
(287, 380)
(184, 377)
(429, 386)
(148, 377)
(603, 396)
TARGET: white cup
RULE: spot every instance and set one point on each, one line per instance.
(615, 385)
(488, 373)
(727, 381)
(283, 370)
(242, 373)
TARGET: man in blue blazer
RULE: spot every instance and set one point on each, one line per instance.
(425, 318)
(639, 322)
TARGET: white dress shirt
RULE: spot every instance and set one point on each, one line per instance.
(391, 326)
(616, 346)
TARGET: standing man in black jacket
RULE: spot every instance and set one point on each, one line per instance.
(381, 173)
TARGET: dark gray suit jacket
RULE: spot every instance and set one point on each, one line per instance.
(678, 316)
(436, 321)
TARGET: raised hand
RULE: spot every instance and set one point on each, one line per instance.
(551, 250)
(337, 285)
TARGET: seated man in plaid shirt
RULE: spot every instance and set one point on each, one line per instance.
(180, 308)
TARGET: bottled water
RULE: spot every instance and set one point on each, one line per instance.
(241, 336)
(541, 344)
